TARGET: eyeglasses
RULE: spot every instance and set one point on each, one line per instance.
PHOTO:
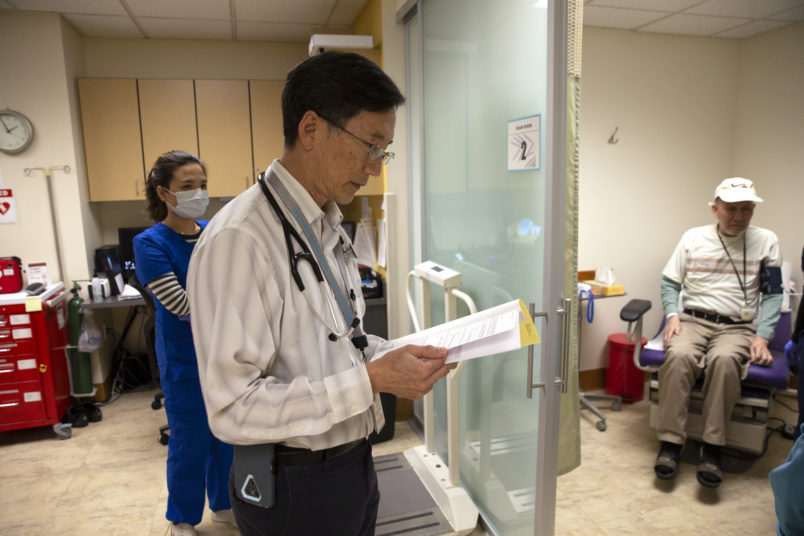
(375, 151)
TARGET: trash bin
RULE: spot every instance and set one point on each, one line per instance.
(622, 377)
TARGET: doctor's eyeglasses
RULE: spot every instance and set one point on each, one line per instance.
(375, 151)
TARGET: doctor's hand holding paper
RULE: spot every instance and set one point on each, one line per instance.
(277, 311)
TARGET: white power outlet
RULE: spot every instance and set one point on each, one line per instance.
(440, 275)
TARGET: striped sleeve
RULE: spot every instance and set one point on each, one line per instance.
(170, 294)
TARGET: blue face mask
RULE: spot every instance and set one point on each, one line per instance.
(190, 204)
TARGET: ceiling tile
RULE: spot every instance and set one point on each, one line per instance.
(744, 8)
(693, 25)
(273, 31)
(650, 5)
(346, 11)
(790, 15)
(196, 9)
(613, 17)
(103, 25)
(159, 28)
(752, 28)
(91, 7)
(295, 11)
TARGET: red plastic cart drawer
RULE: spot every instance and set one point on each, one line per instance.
(17, 347)
(21, 403)
(18, 368)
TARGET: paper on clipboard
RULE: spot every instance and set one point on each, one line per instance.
(496, 330)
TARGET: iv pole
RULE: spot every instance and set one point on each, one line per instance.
(48, 171)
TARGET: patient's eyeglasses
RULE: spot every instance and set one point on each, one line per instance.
(375, 151)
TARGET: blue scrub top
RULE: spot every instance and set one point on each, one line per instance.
(158, 251)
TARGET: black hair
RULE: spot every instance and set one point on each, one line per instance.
(161, 175)
(337, 86)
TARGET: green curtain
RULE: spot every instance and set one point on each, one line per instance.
(569, 439)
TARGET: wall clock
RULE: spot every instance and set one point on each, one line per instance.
(16, 132)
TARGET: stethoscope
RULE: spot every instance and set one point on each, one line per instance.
(316, 262)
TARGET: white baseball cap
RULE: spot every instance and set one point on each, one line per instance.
(737, 189)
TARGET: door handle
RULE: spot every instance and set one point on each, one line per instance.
(566, 324)
(564, 312)
(530, 386)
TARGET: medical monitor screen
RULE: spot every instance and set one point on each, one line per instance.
(125, 240)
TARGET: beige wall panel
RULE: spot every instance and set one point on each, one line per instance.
(112, 143)
(224, 135)
(167, 112)
(266, 120)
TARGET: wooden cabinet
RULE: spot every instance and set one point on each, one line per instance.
(112, 143)
(234, 126)
(167, 115)
(267, 137)
(224, 135)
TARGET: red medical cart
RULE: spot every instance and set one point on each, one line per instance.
(34, 374)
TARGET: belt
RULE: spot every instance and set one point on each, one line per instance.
(716, 318)
(285, 456)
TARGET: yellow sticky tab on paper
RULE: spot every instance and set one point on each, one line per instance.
(527, 330)
(33, 304)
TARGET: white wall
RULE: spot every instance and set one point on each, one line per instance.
(769, 133)
(37, 57)
(691, 111)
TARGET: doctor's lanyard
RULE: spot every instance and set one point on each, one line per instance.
(742, 285)
(359, 339)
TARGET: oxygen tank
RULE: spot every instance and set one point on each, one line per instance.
(80, 362)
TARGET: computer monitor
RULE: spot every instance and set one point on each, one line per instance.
(125, 240)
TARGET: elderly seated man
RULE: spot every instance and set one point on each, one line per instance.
(726, 270)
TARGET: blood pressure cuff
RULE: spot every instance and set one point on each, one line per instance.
(770, 279)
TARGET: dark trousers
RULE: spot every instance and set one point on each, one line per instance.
(338, 497)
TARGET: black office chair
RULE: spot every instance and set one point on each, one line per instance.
(150, 340)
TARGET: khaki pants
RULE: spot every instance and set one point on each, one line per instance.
(723, 352)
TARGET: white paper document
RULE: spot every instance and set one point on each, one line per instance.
(496, 330)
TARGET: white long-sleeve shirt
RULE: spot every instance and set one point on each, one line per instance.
(268, 371)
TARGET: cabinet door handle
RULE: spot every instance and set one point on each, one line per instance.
(11, 404)
(4, 350)
(137, 187)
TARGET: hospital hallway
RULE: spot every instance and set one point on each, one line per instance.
(109, 478)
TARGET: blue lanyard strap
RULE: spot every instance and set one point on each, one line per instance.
(287, 199)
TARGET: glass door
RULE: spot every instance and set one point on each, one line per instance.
(486, 98)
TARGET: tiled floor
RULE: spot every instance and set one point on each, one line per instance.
(109, 479)
(615, 491)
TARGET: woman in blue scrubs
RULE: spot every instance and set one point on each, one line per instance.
(176, 192)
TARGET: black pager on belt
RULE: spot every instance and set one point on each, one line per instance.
(253, 472)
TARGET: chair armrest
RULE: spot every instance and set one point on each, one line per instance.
(634, 310)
